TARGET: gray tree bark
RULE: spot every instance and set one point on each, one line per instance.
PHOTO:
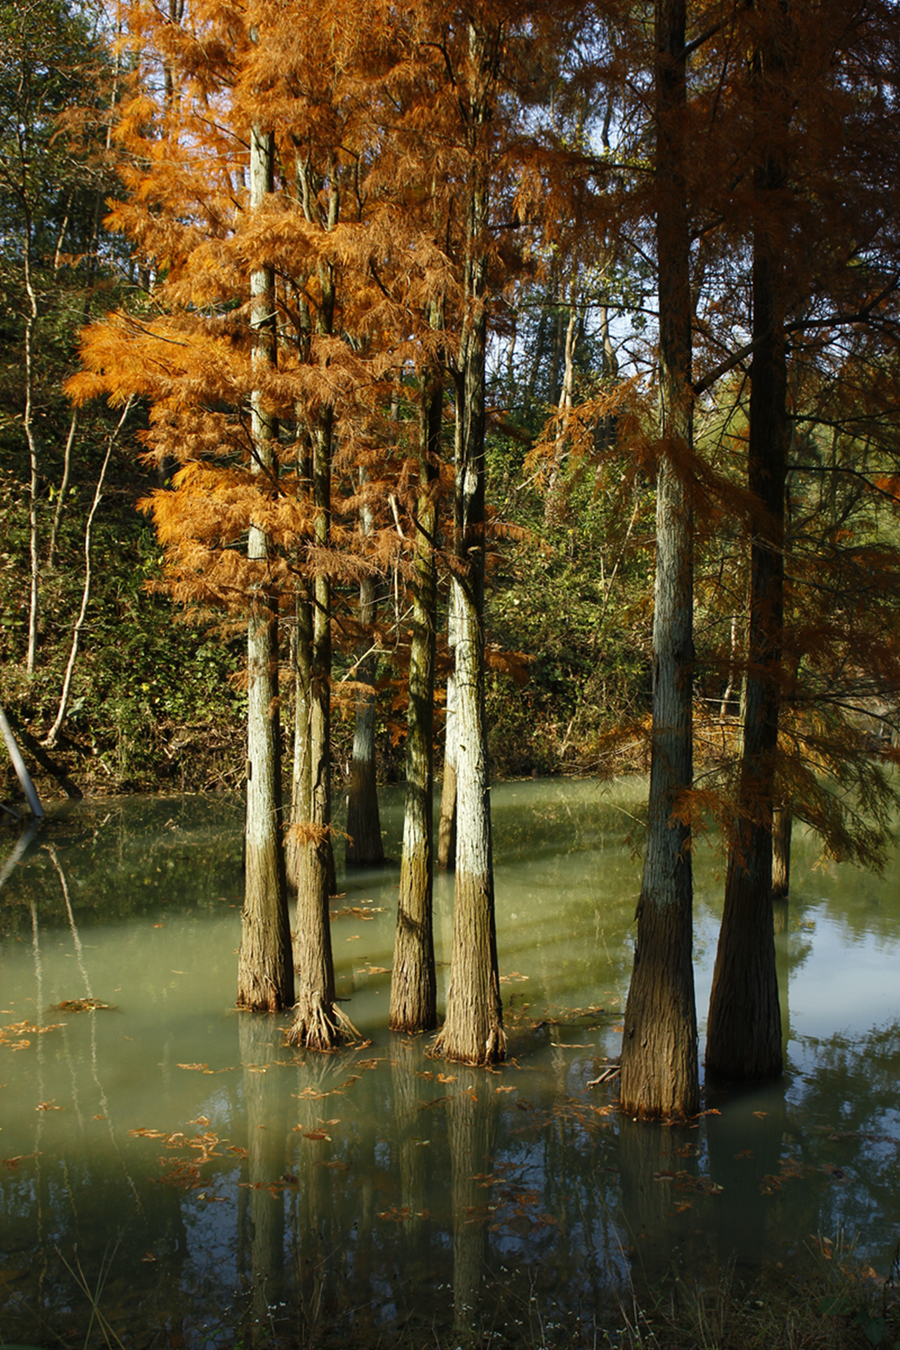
(446, 852)
(660, 1075)
(265, 970)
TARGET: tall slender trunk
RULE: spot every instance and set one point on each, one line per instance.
(364, 845)
(473, 1029)
(659, 1051)
(555, 499)
(446, 851)
(50, 739)
(317, 1022)
(301, 767)
(34, 483)
(413, 981)
(744, 1027)
(265, 970)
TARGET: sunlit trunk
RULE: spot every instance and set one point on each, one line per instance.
(473, 1029)
(446, 851)
(265, 971)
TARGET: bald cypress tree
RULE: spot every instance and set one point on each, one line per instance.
(659, 1050)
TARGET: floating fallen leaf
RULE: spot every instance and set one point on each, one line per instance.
(354, 937)
(77, 1005)
(374, 970)
(48, 1106)
(446, 1077)
(148, 1256)
(98, 1117)
(505, 1089)
(357, 912)
(313, 1134)
(760, 1115)
(745, 1153)
(15, 1036)
(196, 1068)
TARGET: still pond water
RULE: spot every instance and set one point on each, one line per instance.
(214, 1185)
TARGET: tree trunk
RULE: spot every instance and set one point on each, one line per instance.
(301, 768)
(659, 1052)
(265, 972)
(473, 1029)
(446, 854)
(744, 1029)
(317, 1023)
(555, 498)
(31, 323)
(50, 739)
(364, 845)
(413, 980)
(782, 826)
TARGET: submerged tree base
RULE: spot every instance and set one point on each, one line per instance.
(461, 1047)
(659, 1048)
(319, 1025)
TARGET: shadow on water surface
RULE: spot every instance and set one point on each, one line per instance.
(228, 1188)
